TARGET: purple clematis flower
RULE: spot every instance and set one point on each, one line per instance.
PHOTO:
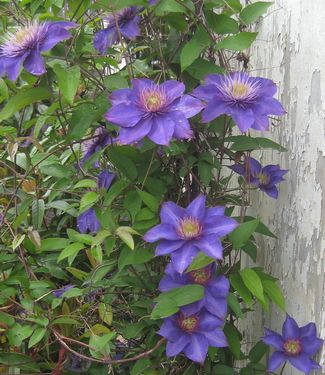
(59, 292)
(215, 293)
(100, 139)
(105, 179)
(248, 100)
(296, 345)
(159, 112)
(25, 47)
(184, 232)
(192, 335)
(128, 25)
(88, 222)
(265, 178)
(153, 2)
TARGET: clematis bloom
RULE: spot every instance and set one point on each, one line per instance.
(192, 335)
(128, 25)
(105, 179)
(159, 112)
(59, 292)
(24, 47)
(248, 100)
(216, 289)
(296, 345)
(184, 232)
(88, 222)
(100, 139)
(265, 178)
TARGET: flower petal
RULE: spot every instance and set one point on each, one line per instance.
(197, 349)
(169, 329)
(173, 89)
(311, 345)
(183, 257)
(244, 118)
(216, 338)
(12, 66)
(219, 287)
(276, 360)
(182, 128)
(302, 363)
(273, 338)
(125, 96)
(290, 329)
(219, 225)
(125, 115)
(128, 136)
(173, 348)
(55, 34)
(160, 232)
(171, 213)
(105, 38)
(211, 246)
(162, 130)
(131, 29)
(209, 322)
(189, 106)
(271, 191)
(216, 306)
(214, 110)
(166, 247)
(308, 330)
(196, 208)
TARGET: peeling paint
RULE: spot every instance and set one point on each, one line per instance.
(290, 47)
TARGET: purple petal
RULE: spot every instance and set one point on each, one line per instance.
(214, 211)
(128, 136)
(196, 208)
(214, 110)
(290, 329)
(219, 287)
(244, 118)
(253, 166)
(308, 330)
(209, 322)
(273, 338)
(169, 330)
(125, 96)
(311, 345)
(211, 246)
(197, 349)
(125, 115)
(162, 130)
(12, 66)
(171, 213)
(167, 282)
(140, 84)
(261, 122)
(173, 89)
(216, 338)
(238, 168)
(272, 192)
(166, 247)
(105, 179)
(302, 363)
(266, 86)
(206, 92)
(173, 348)
(189, 106)
(131, 29)
(216, 306)
(271, 106)
(192, 308)
(276, 360)
(55, 34)
(182, 126)
(219, 225)
(104, 39)
(182, 258)
(160, 232)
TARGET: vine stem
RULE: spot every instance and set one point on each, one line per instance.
(61, 339)
(283, 368)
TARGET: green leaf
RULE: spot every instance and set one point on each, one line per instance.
(82, 118)
(20, 361)
(19, 238)
(114, 191)
(56, 170)
(233, 338)
(140, 365)
(71, 250)
(253, 282)
(242, 233)
(237, 283)
(122, 163)
(65, 320)
(234, 305)
(78, 274)
(222, 370)
(37, 336)
(164, 309)
(169, 6)
(125, 235)
(183, 295)
(86, 183)
(238, 42)
(246, 143)
(191, 51)
(274, 293)
(68, 81)
(201, 260)
(200, 68)
(132, 203)
(38, 208)
(149, 200)
(222, 24)
(258, 351)
(50, 244)
(88, 200)
(253, 11)
(22, 99)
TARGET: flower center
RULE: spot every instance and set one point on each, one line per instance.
(292, 347)
(263, 179)
(153, 99)
(201, 276)
(189, 228)
(239, 90)
(189, 324)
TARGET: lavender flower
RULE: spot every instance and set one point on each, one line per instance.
(184, 232)
(25, 47)
(153, 2)
(216, 289)
(296, 345)
(100, 139)
(59, 292)
(157, 111)
(265, 178)
(128, 25)
(248, 100)
(192, 335)
(88, 222)
(105, 179)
